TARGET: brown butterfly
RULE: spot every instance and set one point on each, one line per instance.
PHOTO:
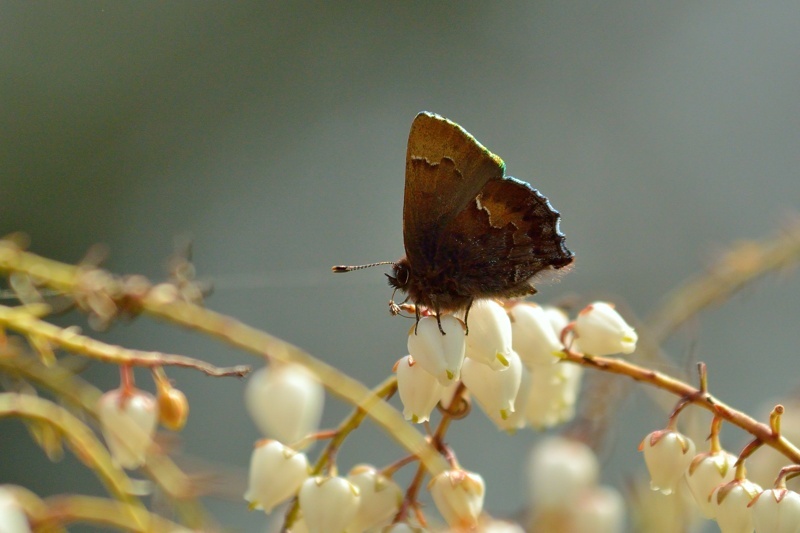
(470, 231)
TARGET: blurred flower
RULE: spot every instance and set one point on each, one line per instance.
(706, 472)
(554, 393)
(776, 511)
(329, 504)
(559, 469)
(440, 355)
(173, 407)
(598, 510)
(494, 390)
(533, 336)
(128, 421)
(419, 391)
(602, 331)
(732, 500)
(276, 474)
(458, 496)
(285, 401)
(489, 339)
(12, 517)
(667, 454)
(380, 498)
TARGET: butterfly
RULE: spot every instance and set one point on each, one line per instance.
(470, 231)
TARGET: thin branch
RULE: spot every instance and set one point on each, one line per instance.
(70, 340)
(166, 304)
(762, 432)
(81, 439)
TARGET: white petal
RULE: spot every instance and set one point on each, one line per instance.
(380, 498)
(494, 390)
(458, 496)
(602, 331)
(440, 355)
(667, 455)
(777, 510)
(533, 337)
(128, 429)
(276, 473)
(419, 391)
(705, 473)
(489, 339)
(328, 504)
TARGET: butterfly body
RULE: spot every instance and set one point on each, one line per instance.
(470, 232)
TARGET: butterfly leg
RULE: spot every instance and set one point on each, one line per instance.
(416, 312)
(466, 315)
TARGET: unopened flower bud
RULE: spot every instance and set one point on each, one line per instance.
(440, 355)
(458, 496)
(602, 331)
(328, 503)
(173, 407)
(667, 454)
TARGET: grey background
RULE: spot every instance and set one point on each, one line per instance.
(274, 134)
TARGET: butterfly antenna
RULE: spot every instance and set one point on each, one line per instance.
(343, 268)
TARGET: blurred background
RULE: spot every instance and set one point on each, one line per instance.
(274, 135)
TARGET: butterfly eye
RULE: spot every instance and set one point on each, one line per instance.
(402, 274)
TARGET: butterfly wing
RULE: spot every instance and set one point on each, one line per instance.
(445, 169)
(470, 232)
(500, 240)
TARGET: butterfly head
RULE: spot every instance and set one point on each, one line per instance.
(401, 275)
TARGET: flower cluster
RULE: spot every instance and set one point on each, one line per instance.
(510, 362)
(718, 485)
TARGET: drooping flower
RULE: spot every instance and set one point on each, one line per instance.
(458, 496)
(128, 421)
(667, 454)
(440, 355)
(602, 331)
(276, 474)
(329, 504)
(419, 391)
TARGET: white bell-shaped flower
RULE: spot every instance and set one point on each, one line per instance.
(128, 422)
(777, 511)
(558, 319)
(440, 355)
(533, 336)
(458, 496)
(517, 419)
(12, 517)
(380, 498)
(285, 401)
(489, 339)
(329, 504)
(602, 331)
(494, 390)
(276, 473)
(554, 393)
(599, 510)
(558, 470)
(705, 473)
(667, 455)
(733, 499)
(419, 391)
